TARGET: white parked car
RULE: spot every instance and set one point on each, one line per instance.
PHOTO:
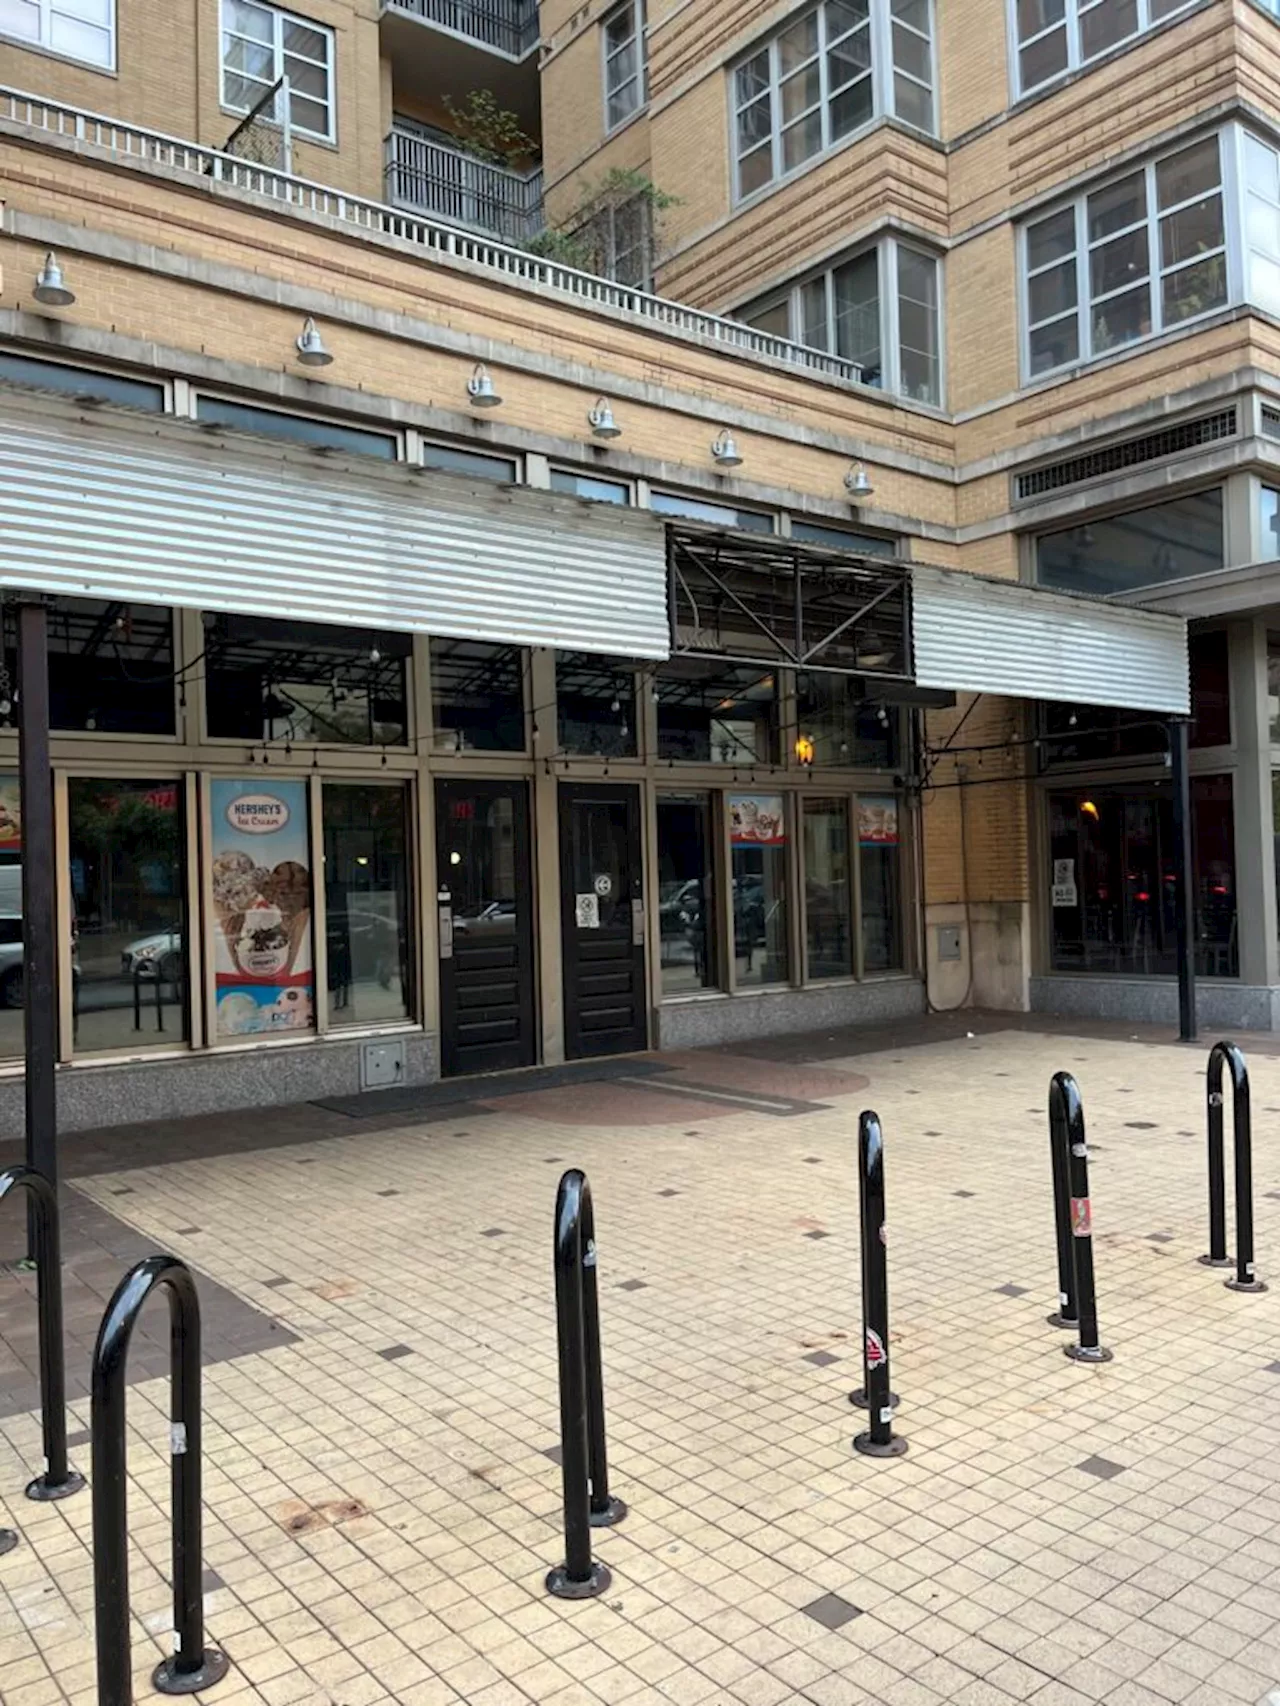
(163, 950)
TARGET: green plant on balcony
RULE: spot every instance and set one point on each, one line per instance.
(614, 228)
(489, 132)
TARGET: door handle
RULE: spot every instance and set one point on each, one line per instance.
(637, 923)
(446, 932)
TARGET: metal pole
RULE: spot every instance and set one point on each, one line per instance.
(1185, 918)
(1067, 1313)
(1244, 1278)
(605, 1509)
(1217, 1257)
(1088, 1349)
(580, 1576)
(39, 911)
(879, 1440)
(194, 1666)
(58, 1481)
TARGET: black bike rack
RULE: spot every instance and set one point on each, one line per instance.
(1064, 1095)
(193, 1666)
(584, 1464)
(1244, 1278)
(879, 1439)
(58, 1480)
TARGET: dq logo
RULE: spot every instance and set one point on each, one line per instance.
(876, 1353)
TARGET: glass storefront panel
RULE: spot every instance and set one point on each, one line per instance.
(758, 848)
(128, 888)
(715, 713)
(260, 892)
(595, 705)
(366, 887)
(880, 873)
(1142, 547)
(686, 887)
(477, 696)
(305, 682)
(844, 727)
(828, 891)
(111, 667)
(1113, 893)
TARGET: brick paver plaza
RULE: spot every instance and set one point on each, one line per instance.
(382, 1496)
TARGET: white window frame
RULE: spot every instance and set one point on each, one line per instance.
(634, 11)
(881, 25)
(1157, 272)
(1074, 9)
(886, 252)
(43, 43)
(279, 17)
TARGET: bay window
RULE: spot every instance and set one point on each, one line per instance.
(823, 75)
(624, 67)
(1053, 37)
(1137, 256)
(880, 308)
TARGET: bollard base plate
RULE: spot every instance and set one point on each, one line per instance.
(1216, 1261)
(894, 1447)
(45, 1492)
(166, 1678)
(1058, 1319)
(8, 1540)
(858, 1398)
(561, 1584)
(1245, 1285)
(612, 1513)
(1087, 1353)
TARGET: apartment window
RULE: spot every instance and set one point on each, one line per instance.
(1269, 515)
(1143, 253)
(260, 45)
(590, 486)
(624, 66)
(301, 429)
(81, 383)
(1140, 547)
(450, 460)
(78, 29)
(1056, 36)
(880, 308)
(824, 75)
(1262, 224)
(718, 515)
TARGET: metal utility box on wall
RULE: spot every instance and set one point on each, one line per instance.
(949, 942)
(381, 1065)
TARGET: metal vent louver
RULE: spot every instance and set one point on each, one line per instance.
(1131, 453)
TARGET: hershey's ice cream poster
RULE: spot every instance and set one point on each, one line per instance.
(261, 886)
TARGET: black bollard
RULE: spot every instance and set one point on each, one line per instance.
(1244, 1278)
(1066, 1314)
(879, 1440)
(59, 1480)
(1088, 1349)
(583, 1462)
(193, 1666)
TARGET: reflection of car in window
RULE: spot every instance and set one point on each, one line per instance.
(494, 919)
(149, 954)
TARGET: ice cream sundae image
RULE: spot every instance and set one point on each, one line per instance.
(263, 945)
(263, 913)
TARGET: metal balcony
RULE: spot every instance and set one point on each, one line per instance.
(507, 26)
(430, 178)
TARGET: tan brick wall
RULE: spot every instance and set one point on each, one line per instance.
(966, 790)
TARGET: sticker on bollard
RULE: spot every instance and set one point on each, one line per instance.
(879, 1440)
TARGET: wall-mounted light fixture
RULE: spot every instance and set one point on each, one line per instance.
(857, 482)
(310, 345)
(725, 450)
(481, 389)
(601, 421)
(51, 287)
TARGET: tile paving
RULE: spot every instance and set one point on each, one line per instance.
(378, 1523)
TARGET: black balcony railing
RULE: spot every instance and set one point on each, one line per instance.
(435, 179)
(511, 26)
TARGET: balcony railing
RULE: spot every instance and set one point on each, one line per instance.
(434, 239)
(511, 26)
(428, 176)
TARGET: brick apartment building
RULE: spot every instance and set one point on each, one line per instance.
(588, 528)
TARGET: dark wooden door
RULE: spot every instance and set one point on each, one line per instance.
(602, 919)
(485, 899)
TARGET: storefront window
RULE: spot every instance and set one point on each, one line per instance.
(305, 682)
(1116, 553)
(1084, 732)
(686, 885)
(260, 889)
(714, 514)
(12, 1041)
(366, 888)
(758, 846)
(128, 890)
(1113, 891)
(828, 893)
(716, 713)
(880, 869)
(844, 727)
(596, 705)
(111, 666)
(1273, 687)
(477, 696)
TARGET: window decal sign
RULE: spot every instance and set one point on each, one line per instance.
(261, 893)
(877, 821)
(756, 820)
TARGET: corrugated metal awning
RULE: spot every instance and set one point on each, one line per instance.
(978, 635)
(168, 513)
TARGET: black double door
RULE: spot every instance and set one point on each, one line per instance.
(602, 919)
(484, 894)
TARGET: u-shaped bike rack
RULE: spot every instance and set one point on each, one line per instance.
(193, 1666)
(58, 1480)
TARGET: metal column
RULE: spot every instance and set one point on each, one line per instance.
(1179, 728)
(39, 907)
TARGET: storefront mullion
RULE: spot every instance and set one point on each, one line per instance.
(319, 907)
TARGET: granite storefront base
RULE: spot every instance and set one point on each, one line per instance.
(706, 1020)
(1220, 1005)
(178, 1085)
